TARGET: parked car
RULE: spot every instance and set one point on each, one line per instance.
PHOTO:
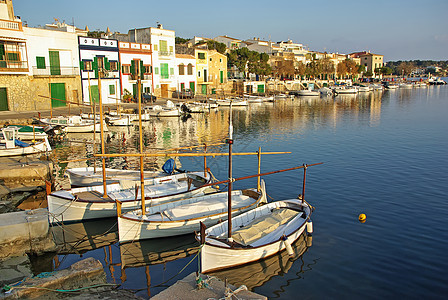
(147, 98)
(183, 94)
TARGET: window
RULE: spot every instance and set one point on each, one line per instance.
(190, 69)
(147, 90)
(13, 56)
(156, 48)
(113, 65)
(201, 55)
(87, 65)
(111, 89)
(163, 46)
(210, 59)
(156, 70)
(40, 62)
(220, 60)
(126, 69)
(147, 69)
(171, 49)
(171, 71)
(181, 69)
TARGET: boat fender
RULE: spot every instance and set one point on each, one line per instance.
(362, 218)
(309, 227)
(287, 245)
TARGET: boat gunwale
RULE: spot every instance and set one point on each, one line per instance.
(267, 244)
(129, 200)
(258, 200)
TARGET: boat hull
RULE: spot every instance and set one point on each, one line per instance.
(40, 147)
(217, 255)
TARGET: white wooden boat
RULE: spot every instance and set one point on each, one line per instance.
(392, 86)
(363, 89)
(184, 216)
(307, 92)
(88, 202)
(88, 176)
(257, 234)
(235, 102)
(75, 124)
(125, 120)
(29, 133)
(345, 90)
(11, 146)
(406, 85)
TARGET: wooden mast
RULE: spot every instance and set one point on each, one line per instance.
(259, 170)
(92, 103)
(142, 176)
(103, 159)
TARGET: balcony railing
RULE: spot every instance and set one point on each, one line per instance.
(165, 53)
(13, 65)
(11, 25)
(51, 71)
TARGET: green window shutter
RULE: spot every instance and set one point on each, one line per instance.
(40, 62)
(171, 49)
(95, 66)
(111, 89)
(142, 70)
(133, 67)
(164, 71)
(171, 71)
(182, 86)
(81, 65)
(106, 64)
(55, 68)
(221, 76)
(2, 51)
(156, 70)
(3, 99)
(163, 47)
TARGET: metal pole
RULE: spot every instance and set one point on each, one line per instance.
(229, 197)
(304, 180)
(259, 169)
(205, 160)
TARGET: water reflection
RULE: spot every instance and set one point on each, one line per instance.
(258, 273)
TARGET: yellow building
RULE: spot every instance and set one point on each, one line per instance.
(369, 60)
(217, 65)
(202, 71)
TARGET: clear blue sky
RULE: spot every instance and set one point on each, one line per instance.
(398, 29)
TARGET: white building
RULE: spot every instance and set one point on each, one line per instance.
(99, 57)
(186, 72)
(136, 63)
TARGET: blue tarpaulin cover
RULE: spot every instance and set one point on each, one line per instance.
(168, 166)
(19, 143)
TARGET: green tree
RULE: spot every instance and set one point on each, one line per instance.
(179, 40)
(214, 45)
(249, 61)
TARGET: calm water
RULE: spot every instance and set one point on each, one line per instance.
(384, 154)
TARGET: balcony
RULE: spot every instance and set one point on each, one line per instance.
(54, 71)
(10, 25)
(165, 53)
(13, 66)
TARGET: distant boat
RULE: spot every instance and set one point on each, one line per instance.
(88, 176)
(74, 124)
(307, 92)
(345, 90)
(235, 102)
(11, 146)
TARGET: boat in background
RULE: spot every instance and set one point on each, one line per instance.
(84, 203)
(74, 124)
(307, 92)
(11, 146)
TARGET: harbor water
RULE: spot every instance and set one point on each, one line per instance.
(384, 154)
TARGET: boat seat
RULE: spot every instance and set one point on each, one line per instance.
(261, 227)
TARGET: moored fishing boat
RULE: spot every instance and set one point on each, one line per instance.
(74, 124)
(257, 234)
(183, 216)
(11, 146)
(90, 203)
(90, 176)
